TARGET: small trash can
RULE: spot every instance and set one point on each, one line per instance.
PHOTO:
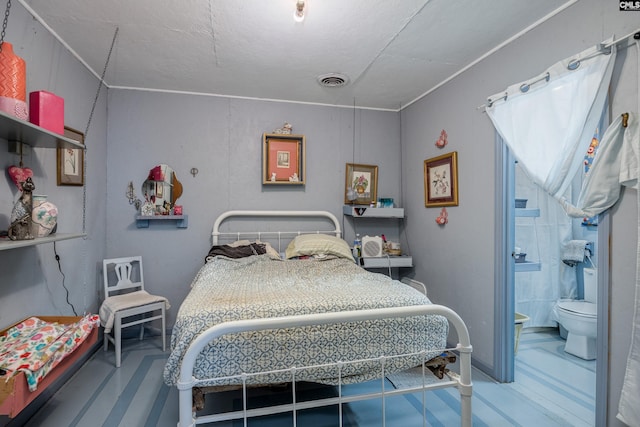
(520, 320)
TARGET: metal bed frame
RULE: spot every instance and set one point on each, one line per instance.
(186, 382)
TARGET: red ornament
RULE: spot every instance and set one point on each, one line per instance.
(442, 141)
(442, 219)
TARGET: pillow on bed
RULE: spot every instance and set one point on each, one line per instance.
(318, 244)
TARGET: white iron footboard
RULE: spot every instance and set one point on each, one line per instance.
(187, 381)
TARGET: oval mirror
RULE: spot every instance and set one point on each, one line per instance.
(161, 190)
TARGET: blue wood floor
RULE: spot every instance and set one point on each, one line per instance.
(552, 388)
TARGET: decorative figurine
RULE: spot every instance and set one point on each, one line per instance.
(166, 206)
(442, 219)
(273, 177)
(286, 129)
(147, 209)
(21, 221)
(442, 141)
(294, 177)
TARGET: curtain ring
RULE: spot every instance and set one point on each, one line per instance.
(625, 120)
(491, 101)
(573, 65)
(524, 87)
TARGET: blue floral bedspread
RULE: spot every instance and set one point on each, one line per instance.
(259, 287)
(35, 347)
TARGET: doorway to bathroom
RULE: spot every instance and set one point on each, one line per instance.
(530, 345)
(552, 254)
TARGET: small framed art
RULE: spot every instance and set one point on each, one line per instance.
(70, 161)
(361, 184)
(283, 159)
(441, 180)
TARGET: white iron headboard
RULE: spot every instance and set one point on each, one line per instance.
(216, 234)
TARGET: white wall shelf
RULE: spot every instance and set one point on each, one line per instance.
(182, 221)
(388, 262)
(6, 244)
(14, 129)
(357, 212)
(367, 212)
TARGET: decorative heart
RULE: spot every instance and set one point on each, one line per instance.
(19, 175)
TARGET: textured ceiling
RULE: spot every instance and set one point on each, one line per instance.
(393, 51)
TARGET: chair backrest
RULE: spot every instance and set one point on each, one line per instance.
(125, 274)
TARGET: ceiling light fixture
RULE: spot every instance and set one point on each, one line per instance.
(298, 15)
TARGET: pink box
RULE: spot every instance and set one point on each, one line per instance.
(46, 110)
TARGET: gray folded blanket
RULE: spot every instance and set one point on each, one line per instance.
(236, 251)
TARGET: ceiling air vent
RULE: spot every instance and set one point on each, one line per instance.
(333, 80)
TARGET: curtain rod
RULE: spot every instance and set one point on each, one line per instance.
(635, 34)
(604, 49)
(576, 63)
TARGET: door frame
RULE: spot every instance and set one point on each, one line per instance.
(504, 314)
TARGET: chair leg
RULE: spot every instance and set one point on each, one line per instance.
(163, 331)
(105, 346)
(141, 331)
(117, 328)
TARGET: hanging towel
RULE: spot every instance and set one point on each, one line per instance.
(574, 252)
(628, 408)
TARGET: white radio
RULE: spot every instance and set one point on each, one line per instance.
(371, 246)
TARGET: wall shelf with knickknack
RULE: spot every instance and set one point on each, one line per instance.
(14, 130)
(375, 215)
(6, 244)
(143, 221)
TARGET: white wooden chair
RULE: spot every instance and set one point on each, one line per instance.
(126, 298)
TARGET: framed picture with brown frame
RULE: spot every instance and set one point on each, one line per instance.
(362, 180)
(283, 159)
(441, 180)
(70, 161)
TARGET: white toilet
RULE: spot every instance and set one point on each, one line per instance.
(578, 317)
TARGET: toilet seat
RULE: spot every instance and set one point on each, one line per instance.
(579, 308)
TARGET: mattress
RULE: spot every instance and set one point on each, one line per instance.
(260, 287)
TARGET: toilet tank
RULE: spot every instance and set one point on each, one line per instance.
(590, 276)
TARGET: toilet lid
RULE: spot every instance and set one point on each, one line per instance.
(579, 307)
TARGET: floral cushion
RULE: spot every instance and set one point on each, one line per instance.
(35, 346)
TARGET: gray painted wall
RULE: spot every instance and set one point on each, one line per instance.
(457, 261)
(223, 138)
(30, 283)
